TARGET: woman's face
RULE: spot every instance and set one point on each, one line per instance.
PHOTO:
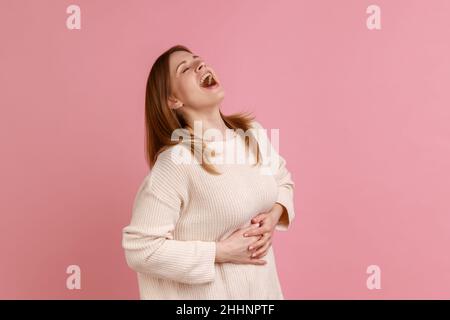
(193, 83)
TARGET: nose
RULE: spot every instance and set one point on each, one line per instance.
(200, 66)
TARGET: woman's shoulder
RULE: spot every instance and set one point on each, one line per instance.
(167, 179)
(176, 156)
(171, 166)
(256, 124)
(259, 131)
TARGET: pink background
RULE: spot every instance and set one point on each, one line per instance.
(365, 129)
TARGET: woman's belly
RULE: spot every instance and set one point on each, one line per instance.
(232, 282)
(215, 215)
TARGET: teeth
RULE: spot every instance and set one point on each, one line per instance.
(205, 76)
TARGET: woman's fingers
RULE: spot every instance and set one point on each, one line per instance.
(264, 238)
(257, 261)
(261, 255)
(262, 250)
(256, 231)
(250, 228)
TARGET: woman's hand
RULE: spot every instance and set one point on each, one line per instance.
(268, 221)
(234, 249)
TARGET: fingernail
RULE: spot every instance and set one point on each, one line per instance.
(253, 254)
(250, 248)
(245, 234)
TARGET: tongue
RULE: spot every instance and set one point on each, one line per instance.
(209, 82)
(206, 82)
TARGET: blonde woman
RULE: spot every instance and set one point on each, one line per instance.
(203, 229)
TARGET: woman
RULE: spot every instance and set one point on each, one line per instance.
(203, 229)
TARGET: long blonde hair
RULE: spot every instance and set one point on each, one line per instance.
(161, 121)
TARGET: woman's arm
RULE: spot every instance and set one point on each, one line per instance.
(283, 178)
(148, 239)
(285, 195)
(281, 215)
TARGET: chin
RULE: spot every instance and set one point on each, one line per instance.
(211, 103)
(214, 98)
(220, 96)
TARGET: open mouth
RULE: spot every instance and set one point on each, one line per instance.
(208, 81)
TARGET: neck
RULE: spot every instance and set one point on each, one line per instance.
(209, 119)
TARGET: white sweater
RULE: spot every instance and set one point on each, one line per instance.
(181, 210)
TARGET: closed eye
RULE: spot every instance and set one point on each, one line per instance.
(185, 70)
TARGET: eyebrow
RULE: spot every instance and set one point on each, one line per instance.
(184, 61)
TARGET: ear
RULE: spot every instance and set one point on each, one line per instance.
(174, 103)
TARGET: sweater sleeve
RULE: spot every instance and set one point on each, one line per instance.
(283, 178)
(285, 195)
(148, 239)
